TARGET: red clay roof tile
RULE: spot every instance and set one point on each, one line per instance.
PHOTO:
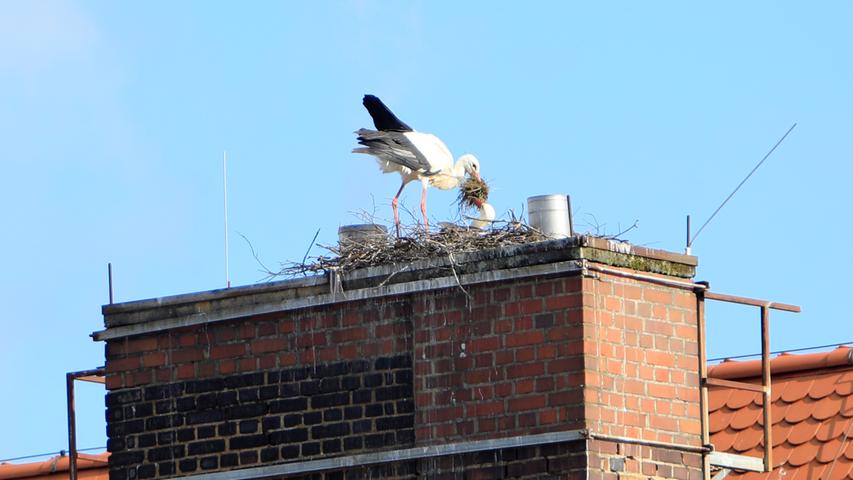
(724, 439)
(803, 432)
(717, 401)
(812, 408)
(745, 417)
(830, 430)
(797, 389)
(802, 456)
(720, 419)
(798, 414)
(822, 387)
(829, 451)
(780, 433)
(748, 438)
(827, 407)
(740, 399)
(90, 467)
(838, 470)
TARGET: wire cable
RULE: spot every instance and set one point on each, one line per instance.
(61, 453)
(782, 351)
(690, 243)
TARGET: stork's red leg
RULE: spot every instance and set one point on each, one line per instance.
(394, 207)
(423, 209)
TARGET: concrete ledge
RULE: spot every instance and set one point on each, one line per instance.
(514, 261)
(337, 463)
(740, 462)
(216, 312)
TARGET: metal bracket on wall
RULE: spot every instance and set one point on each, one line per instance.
(95, 376)
(702, 294)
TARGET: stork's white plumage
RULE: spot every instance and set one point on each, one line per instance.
(414, 155)
(487, 214)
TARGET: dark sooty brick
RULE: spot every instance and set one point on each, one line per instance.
(333, 415)
(247, 441)
(249, 426)
(247, 411)
(249, 457)
(332, 446)
(353, 443)
(312, 448)
(292, 435)
(330, 430)
(209, 463)
(207, 446)
(362, 426)
(355, 412)
(291, 420)
(188, 465)
(312, 418)
(147, 470)
(226, 429)
(290, 451)
(273, 423)
(393, 393)
(394, 423)
(330, 400)
(288, 405)
(269, 454)
(165, 469)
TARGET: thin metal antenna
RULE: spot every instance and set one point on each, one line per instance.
(687, 244)
(690, 242)
(110, 280)
(225, 204)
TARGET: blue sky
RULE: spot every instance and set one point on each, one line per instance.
(115, 116)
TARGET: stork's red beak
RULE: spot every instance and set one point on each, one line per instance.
(476, 175)
(477, 202)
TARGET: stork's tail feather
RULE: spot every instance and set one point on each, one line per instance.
(383, 118)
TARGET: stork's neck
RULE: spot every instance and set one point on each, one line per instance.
(459, 168)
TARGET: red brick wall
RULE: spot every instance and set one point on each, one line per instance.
(614, 461)
(287, 339)
(506, 362)
(641, 351)
(609, 354)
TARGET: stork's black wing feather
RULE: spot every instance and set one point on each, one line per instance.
(394, 147)
(383, 118)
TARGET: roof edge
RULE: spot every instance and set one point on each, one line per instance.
(784, 363)
(56, 464)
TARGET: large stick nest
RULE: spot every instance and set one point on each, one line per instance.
(452, 239)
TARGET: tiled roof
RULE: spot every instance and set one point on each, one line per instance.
(811, 411)
(89, 467)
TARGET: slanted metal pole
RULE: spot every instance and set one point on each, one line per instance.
(765, 382)
(72, 427)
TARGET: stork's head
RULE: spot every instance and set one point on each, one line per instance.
(471, 165)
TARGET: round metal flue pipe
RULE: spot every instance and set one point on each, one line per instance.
(362, 233)
(551, 215)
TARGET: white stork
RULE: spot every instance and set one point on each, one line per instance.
(414, 155)
(487, 214)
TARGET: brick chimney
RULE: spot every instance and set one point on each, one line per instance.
(575, 358)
